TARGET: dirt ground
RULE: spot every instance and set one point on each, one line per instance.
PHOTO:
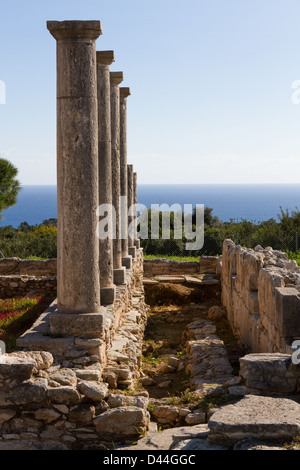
(176, 307)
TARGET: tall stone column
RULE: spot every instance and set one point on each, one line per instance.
(131, 235)
(126, 258)
(115, 79)
(78, 284)
(108, 288)
(136, 239)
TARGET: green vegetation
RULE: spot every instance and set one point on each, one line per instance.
(280, 235)
(40, 241)
(9, 185)
(17, 314)
(29, 241)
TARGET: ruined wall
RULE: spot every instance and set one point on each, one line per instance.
(261, 293)
(206, 264)
(64, 392)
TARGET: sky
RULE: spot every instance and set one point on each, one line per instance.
(212, 97)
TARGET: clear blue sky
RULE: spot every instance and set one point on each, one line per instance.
(211, 84)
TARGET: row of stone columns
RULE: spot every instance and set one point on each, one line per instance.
(92, 170)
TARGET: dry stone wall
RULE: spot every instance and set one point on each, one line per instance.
(205, 265)
(64, 392)
(261, 293)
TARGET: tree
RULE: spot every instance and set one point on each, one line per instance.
(209, 219)
(9, 185)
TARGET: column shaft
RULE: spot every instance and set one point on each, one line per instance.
(78, 286)
(104, 60)
(131, 235)
(126, 258)
(136, 239)
(115, 79)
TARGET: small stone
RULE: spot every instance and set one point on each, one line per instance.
(46, 414)
(93, 391)
(197, 417)
(147, 381)
(6, 415)
(64, 377)
(237, 390)
(173, 362)
(65, 394)
(166, 369)
(82, 414)
(164, 384)
(88, 374)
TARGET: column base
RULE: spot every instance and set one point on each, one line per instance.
(127, 261)
(137, 244)
(120, 276)
(86, 325)
(107, 295)
(132, 251)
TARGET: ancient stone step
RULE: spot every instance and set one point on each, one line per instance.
(272, 373)
(259, 417)
(172, 279)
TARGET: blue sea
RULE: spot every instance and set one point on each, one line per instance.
(253, 202)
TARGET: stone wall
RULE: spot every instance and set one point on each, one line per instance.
(64, 392)
(16, 266)
(261, 293)
(205, 265)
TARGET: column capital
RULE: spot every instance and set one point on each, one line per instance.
(105, 57)
(124, 92)
(75, 29)
(116, 78)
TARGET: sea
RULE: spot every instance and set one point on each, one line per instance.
(253, 202)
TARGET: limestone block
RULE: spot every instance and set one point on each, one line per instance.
(93, 390)
(265, 418)
(288, 311)
(253, 303)
(269, 280)
(15, 368)
(125, 421)
(272, 373)
(88, 325)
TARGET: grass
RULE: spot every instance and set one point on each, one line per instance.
(18, 314)
(176, 258)
(294, 256)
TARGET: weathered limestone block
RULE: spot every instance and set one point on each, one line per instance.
(249, 265)
(264, 418)
(117, 400)
(208, 264)
(156, 266)
(29, 391)
(269, 280)
(270, 373)
(288, 311)
(89, 325)
(65, 394)
(42, 359)
(129, 421)
(15, 368)
(93, 390)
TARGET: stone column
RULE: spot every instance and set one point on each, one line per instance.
(126, 258)
(136, 239)
(108, 288)
(78, 284)
(131, 245)
(115, 79)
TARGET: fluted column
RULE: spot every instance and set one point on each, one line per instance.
(131, 237)
(108, 288)
(115, 79)
(126, 258)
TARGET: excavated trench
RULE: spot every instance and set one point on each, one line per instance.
(167, 361)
